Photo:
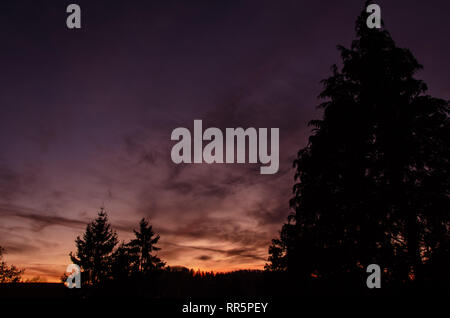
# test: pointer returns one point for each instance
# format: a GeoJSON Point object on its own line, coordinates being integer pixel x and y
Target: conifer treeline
{"type": "Point", "coordinates": [100, 258]}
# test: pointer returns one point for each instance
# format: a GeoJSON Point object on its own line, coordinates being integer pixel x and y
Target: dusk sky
{"type": "Point", "coordinates": [86, 117]}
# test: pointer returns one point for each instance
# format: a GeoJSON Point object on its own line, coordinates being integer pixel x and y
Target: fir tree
{"type": "Point", "coordinates": [144, 246]}
{"type": "Point", "coordinates": [94, 250]}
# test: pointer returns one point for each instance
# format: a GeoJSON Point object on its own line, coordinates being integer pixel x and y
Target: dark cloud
{"type": "Point", "coordinates": [204, 257]}
{"type": "Point", "coordinates": [20, 248]}
{"type": "Point", "coordinates": [44, 137]}
{"type": "Point", "coordinates": [137, 146]}
{"type": "Point", "coordinates": [241, 252]}
{"type": "Point", "coordinates": [15, 183]}
{"type": "Point", "coordinates": [180, 187]}
{"type": "Point", "coordinates": [273, 215]}
{"type": "Point", "coordinates": [219, 230]}
{"type": "Point", "coordinates": [39, 219]}
{"type": "Point", "coordinates": [9, 183]}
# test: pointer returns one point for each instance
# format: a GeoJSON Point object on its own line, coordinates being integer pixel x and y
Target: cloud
{"type": "Point", "coordinates": [19, 247]}
{"type": "Point", "coordinates": [39, 219]}
{"type": "Point", "coordinates": [242, 252]}
{"type": "Point", "coordinates": [273, 215]}
{"type": "Point", "coordinates": [137, 145]}
{"type": "Point", "coordinates": [227, 229]}
{"type": "Point", "coordinates": [45, 136]}
{"type": "Point", "coordinates": [13, 184]}
{"type": "Point", "coordinates": [204, 257]}
{"type": "Point", "coordinates": [46, 270]}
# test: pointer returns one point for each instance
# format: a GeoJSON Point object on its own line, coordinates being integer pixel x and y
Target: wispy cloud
{"type": "Point", "coordinates": [242, 252]}
{"type": "Point", "coordinates": [40, 219]}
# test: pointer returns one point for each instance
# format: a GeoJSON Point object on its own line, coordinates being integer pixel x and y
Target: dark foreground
{"type": "Point", "coordinates": [45, 297]}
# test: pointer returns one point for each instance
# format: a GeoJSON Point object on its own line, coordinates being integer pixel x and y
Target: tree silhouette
{"type": "Point", "coordinates": [124, 262]}
{"type": "Point", "coordinates": [278, 250]}
{"type": "Point", "coordinates": [94, 250]}
{"type": "Point", "coordinates": [9, 273]}
{"type": "Point", "coordinates": [373, 181]}
{"type": "Point", "coordinates": [143, 246]}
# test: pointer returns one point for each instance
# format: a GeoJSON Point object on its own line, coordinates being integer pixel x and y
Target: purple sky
{"type": "Point", "coordinates": [86, 116]}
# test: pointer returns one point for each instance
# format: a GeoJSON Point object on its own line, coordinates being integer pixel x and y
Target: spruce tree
{"type": "Point", "coordinates": [94, 250]}
{"type": "Point", "coordinates": [144, 247]}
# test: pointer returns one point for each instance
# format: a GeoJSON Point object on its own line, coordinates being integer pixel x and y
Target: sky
{"type": "Point", "coordinates": [86, 117]}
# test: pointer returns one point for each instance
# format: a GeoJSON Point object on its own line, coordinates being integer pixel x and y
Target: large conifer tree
{"type": "Point", "coordinates": [372, 185]}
